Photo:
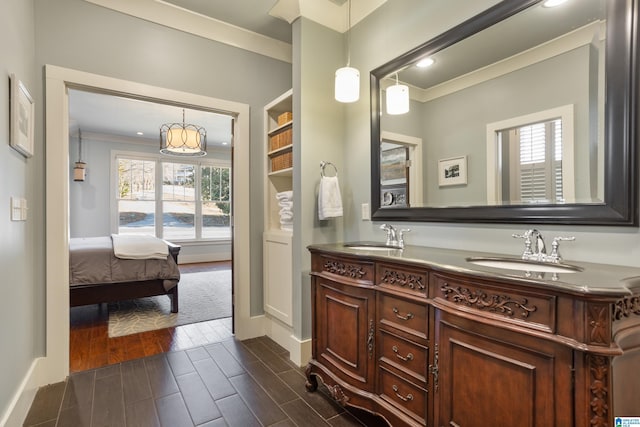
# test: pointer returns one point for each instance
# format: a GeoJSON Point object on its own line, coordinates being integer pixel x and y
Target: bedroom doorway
{"type": "Point", "coordinates": [55, 366]}
{"type": "Point", "coordinates": [129, 188]}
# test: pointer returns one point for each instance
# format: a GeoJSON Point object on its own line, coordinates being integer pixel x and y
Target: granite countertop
{"type": "Point", "coordinates": [594, 279]}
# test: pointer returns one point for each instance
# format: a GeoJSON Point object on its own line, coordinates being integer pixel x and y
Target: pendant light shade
{"type": "Point", "coordinates": [347, 84]}
{"type": "Point", "coordinates": [181, 139]}
{"type": "Point", "coordinates": [397, 98]}
{"type": "Point", "coordinates": [80, 168]}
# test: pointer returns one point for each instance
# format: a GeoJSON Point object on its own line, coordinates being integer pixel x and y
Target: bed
{"type": "Point", "coordinates": [97, 275]}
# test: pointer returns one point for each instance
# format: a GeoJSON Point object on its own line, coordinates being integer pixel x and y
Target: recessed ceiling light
{"type": "Point", "coordinates": [224, 143]}
{"type": "Point", "coordinates": [553, 3]}
{"type": "Point", "coordinates": [426, 62]}
{"type": "Point", "coordinates": [140, 133]}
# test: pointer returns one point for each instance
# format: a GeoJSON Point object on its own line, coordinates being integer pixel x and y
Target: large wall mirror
{"type": "Point", "coordinates": [525, 113]}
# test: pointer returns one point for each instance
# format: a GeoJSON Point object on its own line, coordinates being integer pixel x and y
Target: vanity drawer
{"type": "Point", "coordinates": [407, 316]}
{"type": "Point", "coordinates": [403, 394]}
{"type": "Point", "coordinates": [406, 356]}
{"type": "Point", "coordinates": [361, 272]}
{"type": "Point", "coordinates": [402, 278]}
{"type": "Point", "coordinates": [535, 310]}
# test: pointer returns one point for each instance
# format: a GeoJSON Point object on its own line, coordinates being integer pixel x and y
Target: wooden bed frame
{"type": "Point", "coordinates": [97, 293]}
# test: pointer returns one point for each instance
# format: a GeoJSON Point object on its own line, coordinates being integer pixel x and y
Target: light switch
{"type": "Point", "coordinates": [366, 213]}
{"type": "Point", "coordinates": [18, 209]}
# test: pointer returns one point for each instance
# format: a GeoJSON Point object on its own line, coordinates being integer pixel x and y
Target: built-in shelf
{"type": "Point", "coordinates": [280, 150]}
{"type": "Point", "coordinates": [280, 128]}
{"type": "Point", "coordinates": [282, 172]}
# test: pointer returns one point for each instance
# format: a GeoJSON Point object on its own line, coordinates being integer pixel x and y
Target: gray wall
{"type": "Point", "coordinates": [399, 26]}
{"type": "Point", "coordinates": [82, 36]}
{"type": "Point", "coordinates": [318, 52]}
{"type": "Point", "coordinates": [21, 252]}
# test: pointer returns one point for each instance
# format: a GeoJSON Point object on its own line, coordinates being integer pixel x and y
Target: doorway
{"type": "Point", "coordinates": [54, 367]}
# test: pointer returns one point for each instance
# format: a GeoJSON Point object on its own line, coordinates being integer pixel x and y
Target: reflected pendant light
{"type": "Point", "coordinates": [79, 170]}
{"type": "Point", "coordinates": [347, 84]}
{"type": "Point", "coordinates": [181, 139]}
{"type": "Point", "coordinates": [397, 98]}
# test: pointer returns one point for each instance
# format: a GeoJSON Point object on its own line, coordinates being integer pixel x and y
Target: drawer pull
{"type": "Point", "coordinates": [407, 358]}
{"type": "Point", "coordinates": [409, 315]}
{"type": "Point", "coordinates": [407, 398]}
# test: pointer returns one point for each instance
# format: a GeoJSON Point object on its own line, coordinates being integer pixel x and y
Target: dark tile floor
{"type": "Point", "coordinates": [229, 383]}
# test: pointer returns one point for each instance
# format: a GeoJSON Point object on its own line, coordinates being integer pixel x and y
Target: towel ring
{"type": "Point", "coordinates": [324, 164]}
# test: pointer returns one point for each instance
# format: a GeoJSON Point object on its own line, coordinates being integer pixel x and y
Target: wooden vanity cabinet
{"type": "Point", "coordinates": [420, 346]}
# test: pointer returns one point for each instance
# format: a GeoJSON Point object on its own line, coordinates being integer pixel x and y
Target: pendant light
{"type": "Point", "coordinates": [181, 139]}
{"type": "Point", "coordinates": [347, 84]}
{"type": "Point", "coordinates": [397, 98]}
{"type": "Point", "coordinates": [79, 170]}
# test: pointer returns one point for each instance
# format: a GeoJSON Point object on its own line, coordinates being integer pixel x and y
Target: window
{"type": "Point", "coordinates": [538, 155]}
{"type": "Point", "coordinates": [191, 200]}
{"type": "Point", "coordinates": [530, 158]}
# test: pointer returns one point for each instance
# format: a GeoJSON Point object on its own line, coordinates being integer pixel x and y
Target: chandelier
{"type": "Point", "coordinates": [181, 139]}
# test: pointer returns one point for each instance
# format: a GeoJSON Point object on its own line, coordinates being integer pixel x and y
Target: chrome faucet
{"type": "Point", "coordinates": [394, 237]}
{"type": "Point", "coordinates": [535, 248]}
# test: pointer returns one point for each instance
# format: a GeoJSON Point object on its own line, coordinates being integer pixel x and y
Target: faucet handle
{"type": "Point", "coordinates": [401, 236]}
{"type": "Point", "coordinates": [527, 243]}
{"type": "Point", "coordinates": [555, 254]}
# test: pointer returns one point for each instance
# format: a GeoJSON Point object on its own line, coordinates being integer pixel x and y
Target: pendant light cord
{"type": "Point", "coordinates": [79, 146]}
{"type": "Point", "coordinates": [349, 33]}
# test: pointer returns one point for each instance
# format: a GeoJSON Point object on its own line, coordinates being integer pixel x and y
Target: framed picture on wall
{"type": "Point", "coordinates": [22, 118]}
{"type": "Point", "coordinates": [452, 171]}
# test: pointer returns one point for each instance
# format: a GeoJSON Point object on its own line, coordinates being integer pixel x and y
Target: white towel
{"type": "Point", "coordinates": [285, 214]}
{"type": "Point", "coordinates": [284, 195]}
{"type": "Point", "coordinates": [287, 205]}
{"type": "Point", "coordinates": [329, 199]}
{"type": "Point", "coordinates": [139, 246]}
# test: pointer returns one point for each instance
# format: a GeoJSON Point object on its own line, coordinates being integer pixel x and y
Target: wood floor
{"type": "Point", "coordinates": [91, 347]}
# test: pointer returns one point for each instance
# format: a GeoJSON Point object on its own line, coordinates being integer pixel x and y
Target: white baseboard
{"type": "Point", "coordinates": [299, 350]}
{"type": "Point", "coordinates": [18, 408]}
{"type": "Point", "coordinates": [194, 258]}
{"type": "Point", "coordinates": [251, 327]}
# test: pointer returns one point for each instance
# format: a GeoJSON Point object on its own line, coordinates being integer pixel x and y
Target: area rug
{"type": "Point", "coordinates": [202, 296]}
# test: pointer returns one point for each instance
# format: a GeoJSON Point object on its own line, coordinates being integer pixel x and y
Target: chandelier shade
{"type": "Point", "coordinates": [182, 139]}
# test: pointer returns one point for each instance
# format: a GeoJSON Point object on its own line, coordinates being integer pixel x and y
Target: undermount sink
{"type": "Point", "coordinates": [370, 246]}
{"type": "Point", "coordinates": [524, 265]}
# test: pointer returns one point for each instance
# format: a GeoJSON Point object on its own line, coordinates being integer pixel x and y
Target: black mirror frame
{"type": "Point", "coordinates": [620, 207]}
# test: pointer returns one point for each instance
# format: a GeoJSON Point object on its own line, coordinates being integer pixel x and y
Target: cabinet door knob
{"type": "Point", "coordinates": [406, 398]}
{"type": "Point", "coordinates": [409, 315]}
{"type": "Point", "coordinates": [408, 357]}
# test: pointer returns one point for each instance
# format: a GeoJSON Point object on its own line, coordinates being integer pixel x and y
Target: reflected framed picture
{"type": "Point", "coordinates": [22, 118]}
{"type": "Point", "coordinates": [452, 171]}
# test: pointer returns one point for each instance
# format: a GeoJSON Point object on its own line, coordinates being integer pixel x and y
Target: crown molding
{"type": "Point", "coordinates": [175, 17]}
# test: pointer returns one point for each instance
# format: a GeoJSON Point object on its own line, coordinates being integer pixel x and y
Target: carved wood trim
{"type": "Point", "coordinates": [502, 304]}
{"type": "Point", "coordinates": [598, 320]}
{"type": "Point", "coordinates": [599, 370]}
{"type": "Point", "coordinates": [411, 281]}
{"type": "Point", "coordinates": [626, 307]}
{"type": "Point", "coordinates": [349, 270]}
{"type": "Point", "coordinates": [338, 395]}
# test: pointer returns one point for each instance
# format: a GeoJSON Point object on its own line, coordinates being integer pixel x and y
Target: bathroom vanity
{"type": "Point", "coordinates": [421, 336]}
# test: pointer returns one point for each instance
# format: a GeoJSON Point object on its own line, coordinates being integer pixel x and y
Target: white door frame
{"type": "Point", "coordinates": [414, 144]}
{"type": "Point", "coordinates": [54, 366]}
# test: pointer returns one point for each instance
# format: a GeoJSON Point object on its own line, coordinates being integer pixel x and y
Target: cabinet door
{"type": "Point", "coordinates": [345, 331]}
{"type": "Point", "coordinates": [494, 377]}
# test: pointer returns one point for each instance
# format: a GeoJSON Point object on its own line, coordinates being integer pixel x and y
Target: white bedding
{"type": "Point", "coordinates": [139, 247]}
